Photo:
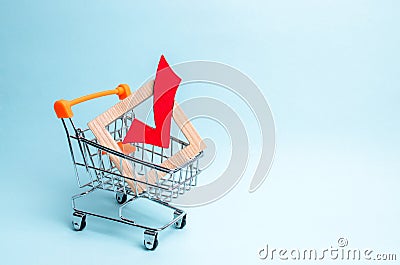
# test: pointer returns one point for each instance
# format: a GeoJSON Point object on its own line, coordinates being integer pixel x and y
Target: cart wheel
{"type": "Point", "coordinates": [150, 239]}
{"type": "Point", "coordinates": [78, 221]}
{"type": "Point", "coordinates": [181, 222]}
{"type": "Point", "coordinates": [121, 197]}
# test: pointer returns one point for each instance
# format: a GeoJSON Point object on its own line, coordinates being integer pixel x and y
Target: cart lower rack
{"type": "Point", "coordinates": [96, 171]}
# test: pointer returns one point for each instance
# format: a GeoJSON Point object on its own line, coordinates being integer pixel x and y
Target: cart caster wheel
{"type": "Point", "coordinates": [150, 239]}
{"type": "Point", "coordinates": [180, 223]}
{"type": "Point", "coordinates": [121, 197]}
{"type": "Point", "coordinates": [79, 221]}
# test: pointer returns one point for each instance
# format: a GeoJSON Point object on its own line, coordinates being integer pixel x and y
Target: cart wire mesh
{"type": "Point", "coordinates": [89, 157]}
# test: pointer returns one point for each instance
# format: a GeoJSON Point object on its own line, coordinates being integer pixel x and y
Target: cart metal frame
{"type": "Point", "coordinates": [94, 170]}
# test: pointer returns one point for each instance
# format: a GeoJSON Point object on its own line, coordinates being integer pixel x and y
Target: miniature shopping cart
{"type": "Point", "coordinates": [96, 171]}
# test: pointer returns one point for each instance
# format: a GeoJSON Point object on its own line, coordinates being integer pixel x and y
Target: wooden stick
{"type": "Point", "coordinates": [98, 127]}
{"type": "Point", "coordinates": [186, 154]}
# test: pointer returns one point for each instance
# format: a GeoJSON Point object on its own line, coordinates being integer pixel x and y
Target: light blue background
{"type": "Point", "coordinates": [329, 70]}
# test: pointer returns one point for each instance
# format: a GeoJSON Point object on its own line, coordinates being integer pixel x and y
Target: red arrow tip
{"type": "Point", "coordinates": [162, 63]}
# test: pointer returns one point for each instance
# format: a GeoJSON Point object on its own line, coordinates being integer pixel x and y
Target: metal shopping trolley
{"type": "Point", "coordinates": [96, 171]}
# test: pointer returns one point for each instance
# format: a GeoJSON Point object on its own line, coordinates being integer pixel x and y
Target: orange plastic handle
{"type": "Point", "coordinates": [63, 109]}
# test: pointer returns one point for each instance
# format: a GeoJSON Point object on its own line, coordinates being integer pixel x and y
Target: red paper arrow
{"type": "Point", "coordinates": [165, 86]}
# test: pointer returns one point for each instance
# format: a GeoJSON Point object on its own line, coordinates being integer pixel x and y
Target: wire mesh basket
{"type": "Point", "coordinates": [96, 171]}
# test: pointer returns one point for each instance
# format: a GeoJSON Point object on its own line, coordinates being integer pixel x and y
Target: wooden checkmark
{"type": "Point", "coordinates": [98, 127]}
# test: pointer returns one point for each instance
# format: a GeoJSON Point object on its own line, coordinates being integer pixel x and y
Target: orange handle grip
{"type": "Point", "coordinates": [63, 109]}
